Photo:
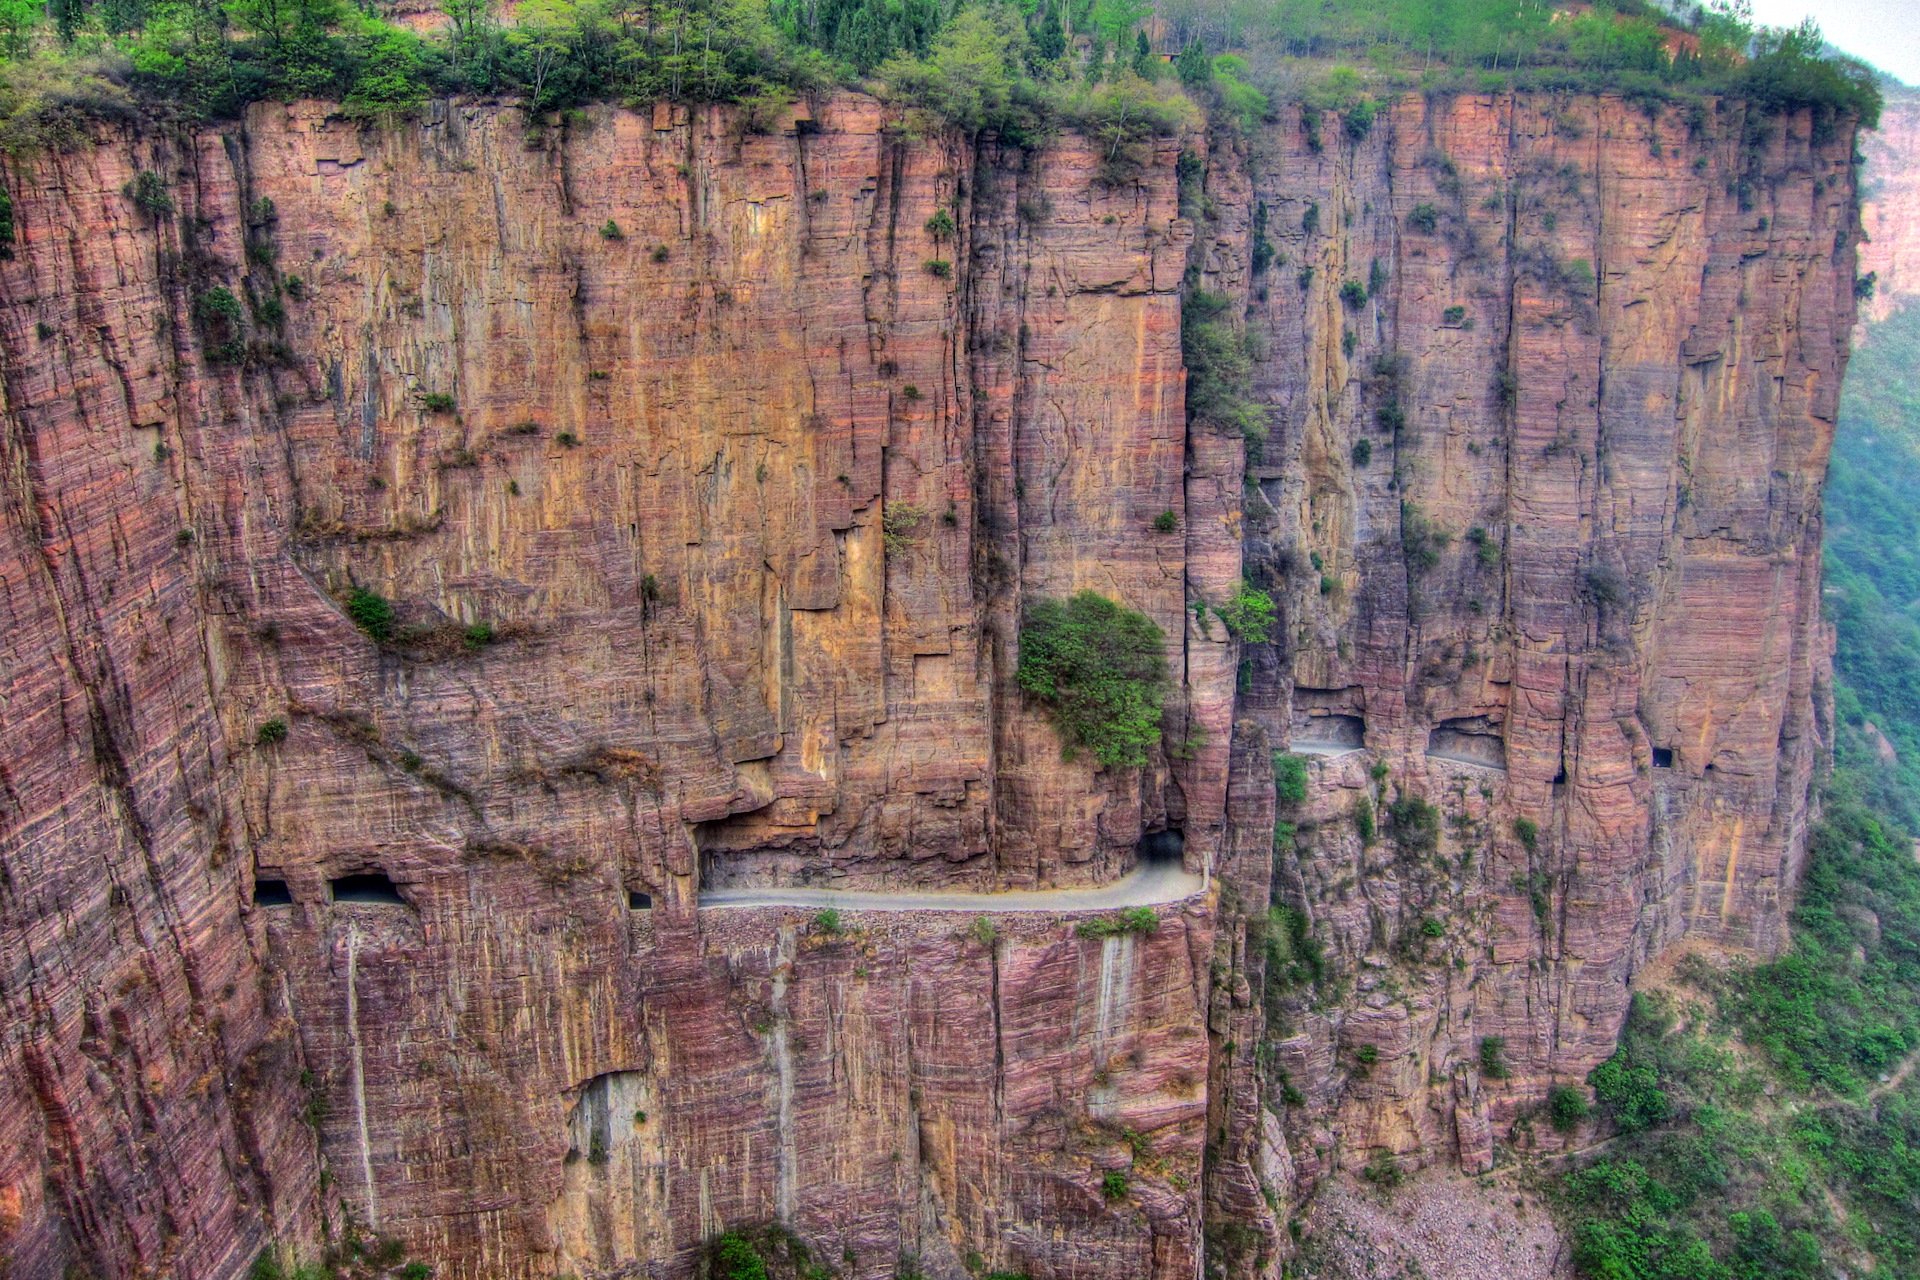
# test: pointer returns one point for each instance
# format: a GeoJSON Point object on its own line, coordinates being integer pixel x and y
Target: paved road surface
{"type": "Point", "coordinates": [1152, 884]}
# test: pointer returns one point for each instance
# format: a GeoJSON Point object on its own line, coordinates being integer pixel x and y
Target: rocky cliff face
{"type": "Point", "coordinates": [708, 471]}
{"type": "Point", "coordinates": [1890, 206]}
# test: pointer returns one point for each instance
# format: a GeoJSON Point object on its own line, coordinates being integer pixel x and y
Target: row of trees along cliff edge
{"type": "Point", "coordinates": [1021, 67]}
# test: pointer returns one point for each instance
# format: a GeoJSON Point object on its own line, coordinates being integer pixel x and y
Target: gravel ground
{"type": "Point", "coordinates": [1437, 1225]}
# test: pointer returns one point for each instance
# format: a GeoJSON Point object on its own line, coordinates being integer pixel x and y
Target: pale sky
{"type": "Point", "coordinates": [1885, 33]}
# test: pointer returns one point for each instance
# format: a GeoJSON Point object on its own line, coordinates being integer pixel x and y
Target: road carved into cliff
{"type": "Point", "coordinates": [1153, 884]}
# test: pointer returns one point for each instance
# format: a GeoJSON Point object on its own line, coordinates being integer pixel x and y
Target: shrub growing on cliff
{"type": "Point", "coordinates": [1289, 779]}
{"type": "Point", "coordinates": [1493, 1062]}
{"type": "Point", "coordinates": [1249, 614]}
{"type": "Point", "coordinates": [1219, 367]}
{"type": "Point", "coordinates": [1566, 1107]}
{"type": "Point", "coordinates": [272, 731]}
{"type": "Point", "coordinates": [371, 612]}
{"type": "Point", "coordinates": [148, 191]}
{"type": "Point", "coordinates": [1136, 920]}
{"type": "Point", "coordinates": [216, 307]}
{"type": "Point", "coordinates": [735, 1258]}
{"type": "Point", "coordinates": [1420, 539]}
{"type": "Point", "coordinates": [1414, 824]}
{"type": "Point", "coordinates": [1100, 670]}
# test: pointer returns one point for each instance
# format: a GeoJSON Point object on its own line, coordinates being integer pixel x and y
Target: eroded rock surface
{"type": "Point", "coordinates": [707, 472]}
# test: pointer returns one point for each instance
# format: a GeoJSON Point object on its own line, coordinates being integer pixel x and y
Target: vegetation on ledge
{"type": "Point", "coordinates": [1101, 672]}
{"type": "Point", "coordinates": [1023, 70]}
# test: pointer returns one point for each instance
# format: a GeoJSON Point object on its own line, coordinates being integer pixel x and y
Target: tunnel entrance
{"type": "Point", "coordinates": [1163, 846]}
{"type": "Point", "coordinates": [1469, 740]}
{"type": "Point", "coordinates": [272, 893]}
{"type": "Point", "coordinates": [1663, 757]}
{"type": "Point", "coordinates": [637, 901]}
{"type": "Point", "coordinates": [371, 887]}
{"type": "Point", "coordinates": [1329, 735]}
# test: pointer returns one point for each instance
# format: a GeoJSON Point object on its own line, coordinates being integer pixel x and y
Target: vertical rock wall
{"type": "Point", "coordinates": [1553, 387]}
{"type": "Point", "coordinates": [707, 471]}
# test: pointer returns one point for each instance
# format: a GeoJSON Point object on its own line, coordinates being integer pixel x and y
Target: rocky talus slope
{"type": "Point", "coordinates": [708, 472]}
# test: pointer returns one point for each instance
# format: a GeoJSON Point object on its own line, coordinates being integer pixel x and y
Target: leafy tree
{"type": "Point", "coordinates": [19, 19]}
{"type": "Point", "coordinates": [969, 78]}
{"type": "Point", "coordinates": [1192, 68]}
{"type": "Point", "coordinates": [1101, 670]}
{"type": "Point", "coordinates": [296, 42]}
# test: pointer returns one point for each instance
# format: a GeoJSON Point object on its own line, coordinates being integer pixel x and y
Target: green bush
{"type": "Point", "coordinates": [148, 191]}
{"type": "Point", "coordinates": [478, 636]}
{"type": "Point", "coordinates": [1362, 452]}
{"type": "Point", "coordinates": [436, 402]}
{"type": "Point", "coordinates": [1383, 1170]}
{"type": "Point", "coordinates": [1413, 824]}
{"type": "Point", "coordinates": [1566, 1107]}
{"type": "Point", "coordinates": [1424, 218]}
{"type": "Point", "coordinates": [1219, 367]}
{"type": "Point", "coordinates": [828, 922]}
{"type": "Point", "coordinates": [1166, 522]}
{"type": "Point", "coordinates": [1432, 928]}
{"type": "Point", "coordinates": [1421, 540]}
{"type": "Point", "coordinates": [371, 612]}
{"type": "Point", "coordinates": [1493, 1063]}
{"type": "Point", "coordinates": [1527, 831]}
{"type": "Point", "coordinates": [610, 230]}
{"type": "Point", "coordinates": [272, 731]}
{"type": "Point", "coordinates": [218, 306]}
{"type": "Point", "coordinates": [1100, 670]}
{"type": "Point", "coordinates": [1363, 820]}
{"type": "Point", "coordinates": [1134, 920]}
{"type": "Point", "coordinates": [1114, 1185]}
{"type": "Point", "coordinates": [1289, 779]}
{"type": "Point", "coordinates": [1249, 615]}
{"type": "Point", "coordinates": [737, 1259]}
{"type": "Point", "coordinates": [1354, 294]}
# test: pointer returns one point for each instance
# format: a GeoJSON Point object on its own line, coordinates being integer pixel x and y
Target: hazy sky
{"type": "Point", "coordinates": [1884, 32]}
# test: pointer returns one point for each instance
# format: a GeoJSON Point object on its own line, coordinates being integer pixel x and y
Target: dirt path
{"type": "Point", "coordinates": [1150, 886]}
{"type": "Point", "coordinates": [1898, 1078]}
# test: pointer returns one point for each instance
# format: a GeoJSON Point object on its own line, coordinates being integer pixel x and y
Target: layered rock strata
{"type": "Point", "coordinates": [708, 472]}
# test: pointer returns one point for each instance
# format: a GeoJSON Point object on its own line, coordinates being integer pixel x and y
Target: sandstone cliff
{"type": "Point", "coordinates": [708, 471]}
{"type": "Point", "coordinates": [1890, 207]}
